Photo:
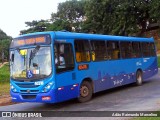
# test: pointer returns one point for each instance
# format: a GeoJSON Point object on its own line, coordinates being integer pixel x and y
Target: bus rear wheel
{"type": "Point", "coordinates": [139, 78]}
{"type": "Point", "coordinates": [86, 92]}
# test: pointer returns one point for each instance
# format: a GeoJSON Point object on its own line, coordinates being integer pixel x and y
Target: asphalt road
{"type": "Point", "coordinates": [125, 98]}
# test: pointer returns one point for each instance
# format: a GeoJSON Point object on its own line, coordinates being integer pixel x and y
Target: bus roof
{"type": "Point", "coordinates": [72, 35]}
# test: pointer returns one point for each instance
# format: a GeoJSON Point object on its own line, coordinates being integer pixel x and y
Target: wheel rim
{"type": "Point", "coordinates": [84, 91]}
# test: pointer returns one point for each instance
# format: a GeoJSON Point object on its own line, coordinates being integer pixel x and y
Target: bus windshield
{"type": "Point", "coordinates": [32, 63]}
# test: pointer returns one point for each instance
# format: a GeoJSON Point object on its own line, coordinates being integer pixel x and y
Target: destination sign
{"type": "Point", "coordinates": [31, 40]}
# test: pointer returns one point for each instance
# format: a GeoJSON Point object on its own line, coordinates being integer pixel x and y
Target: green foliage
{"type": "Point", "coordinates": [117, 17]}
{"type": "Point", "coordinates": [154, 10]}
{"type": "Point", "coordinates": [58, 25]}
{"type": "Point", "coordinates": [4, 45]}
{"type": "Point", "coordinates": [70, 15]}
{"type": "Point", "coordinates": [35, 26]}
{"type": "Point", "coordinates": [120, 17]}
{"type": "Point", "coordinates": [4, 80]}
{"type": "Point", "coordinates": [3, 35]}
{"type": "Point", "coordinates": [72, 10]}
{"type": "Point", "coordinates": [148, 118]}
{"type": "Point", "coordinates": [159, 61]}
{"type": "Point", "coordinates": [4, 89]}
{"type": "Point", "coordinates": [4, 74]}
{"type": "Point", "coordinates": [4, 49]}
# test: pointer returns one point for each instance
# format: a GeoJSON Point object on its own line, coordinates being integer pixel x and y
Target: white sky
{"type": "Point", "coordinates": [14, 13]}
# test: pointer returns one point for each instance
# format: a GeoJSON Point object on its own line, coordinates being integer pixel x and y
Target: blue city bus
{"type": "Point", "coordinates": [51, 67]}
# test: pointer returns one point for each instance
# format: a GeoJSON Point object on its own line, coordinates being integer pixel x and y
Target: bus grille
{"type": "Point", "coordinates": [29, 97]}
{"type": "Point", "coordinates": [27, 85]}
{"type": "Point", "coordinates": [31, 91]}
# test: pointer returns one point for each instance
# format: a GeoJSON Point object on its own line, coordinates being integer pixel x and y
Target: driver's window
{"type": "Point", "coordinates": [64, 59]}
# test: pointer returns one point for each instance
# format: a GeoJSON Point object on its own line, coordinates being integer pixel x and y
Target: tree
{"type": "Point", "coordinates": [154, 11]}
{"type": "Point", "coordinates": [70, 15]}
{"type": "Point", "coordinates": [59, 25]}
{"type": "Point", "coordinates": [35, 26]}
{"type": "Point", "coordinates": [3, 35]}
{"type": "Point", "coordinates": [4, 45]}
{"type": "Point", "coordinates": [117, 17]}
{"type": "Point", "coordinates": [4, 49]}
{"type": "Point", "coordinates": [120, 17]}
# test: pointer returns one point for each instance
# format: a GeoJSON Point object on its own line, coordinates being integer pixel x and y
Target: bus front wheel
{"type": "Point", "coordinates": [86, 92]}
{"type": "Point", "coordinates": [139, 78]}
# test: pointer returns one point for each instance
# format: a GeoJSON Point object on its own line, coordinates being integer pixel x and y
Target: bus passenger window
{"type": "Point", "coordinates": [59, 59]}
{"type": "Point", "coordinates": [153, 51]}
{"type": "Point", "coordinates": [136, 53]}
{"type": "Point", "coordinates": [126, 49]}
{"type": "Point", "coordinates": [64, 59]}
{"type": "Point", "coordinates": [93, 56]}
{"type": "Point", "coordinates": [113, 50]}
{"type": "Point", "coordinates": [98, 50]}
{"type": "Point", "coordinates": [82, 50]}
{"type": "Point", "coordinates": [146, 49]}
{"type": "Point", "coordinates": [78, 57]}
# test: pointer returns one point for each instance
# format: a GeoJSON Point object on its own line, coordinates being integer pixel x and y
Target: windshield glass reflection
{"type": "Point", "coordinates": [28, 64]}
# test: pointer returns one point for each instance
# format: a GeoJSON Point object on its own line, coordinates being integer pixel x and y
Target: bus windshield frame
{"type": "Point", "coordinates": [30, 57]}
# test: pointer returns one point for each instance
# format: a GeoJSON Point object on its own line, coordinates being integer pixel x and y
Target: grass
{"type": "Point", "coordinates": [4, 74]}
{"type": "Point", "coordinates": [5, 89]}
{"type": "Point", "coordinates": [4, 80]}
{"type": "Point", "coordinates": [159, 61]}
{"type": "Point", "coordinates": [147, 118]}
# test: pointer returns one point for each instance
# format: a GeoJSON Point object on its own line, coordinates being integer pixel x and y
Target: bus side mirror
{"type": "Point", "coordinates": [12, 57]}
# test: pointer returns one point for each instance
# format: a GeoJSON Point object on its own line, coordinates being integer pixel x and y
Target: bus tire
{"type": "Point", "coordinates": [86, 92]}
{"type": "Point", "coordinates": [139, 78]}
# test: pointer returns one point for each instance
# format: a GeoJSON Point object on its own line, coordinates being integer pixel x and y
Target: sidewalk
{"type": "Point", "coordinates": [1, 65]}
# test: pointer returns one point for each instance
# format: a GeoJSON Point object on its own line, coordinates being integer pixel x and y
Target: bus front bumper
{"type": "Point", "coordinates": [48, 97]}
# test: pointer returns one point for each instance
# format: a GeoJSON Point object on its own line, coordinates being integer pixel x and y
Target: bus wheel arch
{"type": "Point", "coordinates": [139, 77]}
{"type": "Point", "coordinates": [86, 90]}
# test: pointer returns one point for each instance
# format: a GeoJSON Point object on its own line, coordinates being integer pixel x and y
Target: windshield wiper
{"type": "Point", "coordinates": [18, 50]}
{"type": "Point", "coordinates": [33, 53]}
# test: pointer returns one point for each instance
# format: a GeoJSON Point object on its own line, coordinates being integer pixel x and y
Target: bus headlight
{"type": "Point", "coordinates": [48, 87]}
{"type": "Point", "coordinates": [13, 88]}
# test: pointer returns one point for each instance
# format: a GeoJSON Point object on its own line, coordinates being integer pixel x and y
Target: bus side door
{"type": "Point", "coordinates": [67, 87]}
